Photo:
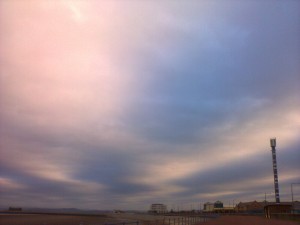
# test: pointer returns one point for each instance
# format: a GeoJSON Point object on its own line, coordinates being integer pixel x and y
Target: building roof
{"type": "Point", "coordinates": [251, 203]}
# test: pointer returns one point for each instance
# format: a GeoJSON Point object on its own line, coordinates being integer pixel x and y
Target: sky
{"type": "Point", "coordinates": [121, 104]}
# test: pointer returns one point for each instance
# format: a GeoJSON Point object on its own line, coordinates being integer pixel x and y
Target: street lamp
{"type": "Point", "coordinates": [292, 190]}
{"type": "Point", "coordinates": [293, 193]}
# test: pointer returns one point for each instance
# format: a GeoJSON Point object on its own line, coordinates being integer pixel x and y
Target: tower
{"type": "Point", "coordinates": [273, 145]}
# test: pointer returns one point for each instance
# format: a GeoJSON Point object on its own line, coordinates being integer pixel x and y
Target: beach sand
{"type": "Point", "coordinates": [248, 220]}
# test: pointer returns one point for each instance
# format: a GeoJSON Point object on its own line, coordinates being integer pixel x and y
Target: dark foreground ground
{"type": "Point", "coordinates": [248, 220]}
{"type": "Point", "coordinates": [77, 219]}
{"type": "Point", "coordinates": [101, 220]}
{"type": "Point", "coordinates": [49, 220]}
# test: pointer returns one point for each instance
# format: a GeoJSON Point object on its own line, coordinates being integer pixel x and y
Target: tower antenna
{"type": "Point", "coordinates": [275, 171]}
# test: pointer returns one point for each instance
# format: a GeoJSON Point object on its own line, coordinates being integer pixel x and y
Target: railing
{"type": "Point", "coordinates": [170, 220]}
{"type": "Point", "coordinates": [124, 223]}
{"type": "Point", "coordinates": [185, 220]}
{"type": "Point", "coordinates": [285, 216]}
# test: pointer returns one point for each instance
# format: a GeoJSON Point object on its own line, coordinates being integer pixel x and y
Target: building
{"type": "Point", "coordinates": [267, 207]}
{"type": "Point", "coordinates": [208, 207]}
{"type": "Point", "coordinates": [15, 209]}
{"type": "Point", "coordinates": [218, 205]}
{"type": "Point", "coordinates": [158, 208]}
{"type": "Point", "coordinates": [228, 209]}
{"type": "Point", "coordinates": [296, 207]}
{"type": "Point", "coordinates": [213, 207]}
{"type": "Point", "coordinates": [251, 207]}
{"type": "Point", "coordinates": [273, 209]}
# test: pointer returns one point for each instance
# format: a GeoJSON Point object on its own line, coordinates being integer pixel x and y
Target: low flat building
{"type": "Point", "coordinates": [15, 209]}
{"type": "Point", "coordinates": [208, 207]}
{"type": "Point", "coordinates": [251, 207]}
{"type": "Point", "coordinates": [224, 210]}
{"type": "Point", "coordinates": [158, 208]}
{"type": "Point", "coordinates": [218, 205]}
{"type": "Point", "coordinates": [213, 207]}
{"type": "Point", "coordinates": [296, 207]}
{"type": "Point", "coordinates": [281, 208]}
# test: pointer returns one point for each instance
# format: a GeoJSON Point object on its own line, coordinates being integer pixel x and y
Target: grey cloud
{"type": "Point", "coordinates": [259, 64]}
{"type": "Point", "coordinates": [242, 171]}
{"type": "Point", "coordinates": [193, 71]}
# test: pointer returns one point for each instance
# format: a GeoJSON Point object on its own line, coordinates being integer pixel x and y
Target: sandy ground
{"type": "Point", "coordinates": [248, 220]}
{"type": "Point", "coordinates": [37, 219]}
{"type": "Point", "coordinates": [119, 218]}
{"type": "Point", "coordinates": [49, 220]}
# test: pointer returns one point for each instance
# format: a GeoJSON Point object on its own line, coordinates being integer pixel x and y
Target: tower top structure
{"type": "Point", "coordinates": [273, 142]}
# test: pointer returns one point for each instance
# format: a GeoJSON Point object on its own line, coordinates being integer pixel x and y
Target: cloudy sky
{"type": "Point", "coordinates": [120, 104]}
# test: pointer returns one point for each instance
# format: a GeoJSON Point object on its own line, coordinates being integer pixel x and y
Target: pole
{"type": "Point", "coordinates": [275, 171]}
{"type": "Point", "coordinates": [292, 193]}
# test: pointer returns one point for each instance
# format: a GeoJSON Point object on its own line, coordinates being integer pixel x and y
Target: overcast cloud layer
{"type": "Point", "coordinates": [120, 104]}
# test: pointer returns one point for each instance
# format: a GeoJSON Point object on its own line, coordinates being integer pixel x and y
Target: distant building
{"type": "Point", "coordinates": [158, 208]}
{"type": "Point", "coordinates": [282, 208]}
{"type": "Point", "coordinates": [118, 211]}
{"type": "Point", "coordinates": [296, 207]}
{"type": "Point", "coordinates": [251, 207]}
{"type": "Point", "coordinates": [208, 207]}
{"type": "Point", "coordinates": [227, 209]}
{"type": "Point", "coordinates": [218, 205]}
{"type": "Point", "coordinates": [15, 209]}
